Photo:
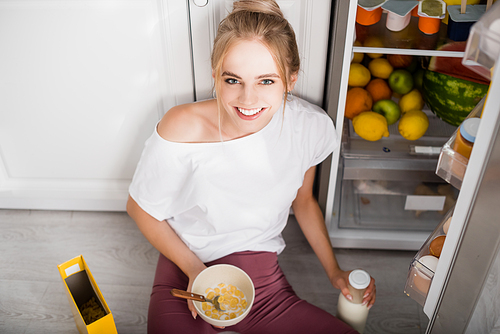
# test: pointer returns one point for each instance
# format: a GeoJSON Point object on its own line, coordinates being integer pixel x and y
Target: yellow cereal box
{"type": "Point", "coordinates": [90, 310]}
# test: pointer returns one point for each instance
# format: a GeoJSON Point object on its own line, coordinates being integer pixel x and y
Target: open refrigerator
{"type": "Point", "coordinates": [459, 290]}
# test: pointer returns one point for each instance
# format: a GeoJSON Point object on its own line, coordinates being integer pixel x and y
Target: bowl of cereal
{"type": "Point", "coordinates": [234, 288]}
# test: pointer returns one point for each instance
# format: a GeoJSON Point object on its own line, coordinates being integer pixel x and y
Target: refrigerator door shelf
{"type": "Point", "coordinates": [422, 270]}
{"type": "Point", "coordinates": [483, 44]}
{"type": "Point", "coordinates": [452, 165]}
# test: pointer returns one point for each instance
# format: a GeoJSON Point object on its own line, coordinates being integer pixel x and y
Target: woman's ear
{"type": "Point", "coordinates": [292, 81]}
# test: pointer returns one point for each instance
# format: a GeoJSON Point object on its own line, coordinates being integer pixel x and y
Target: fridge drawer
{"type": "Point", "coordinates": [394, 205]}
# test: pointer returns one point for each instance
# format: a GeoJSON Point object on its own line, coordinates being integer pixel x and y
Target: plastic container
{"type": "Point", "coordinates": [354, 312]}
{"type": "Point", "coordinates": [483, 44]}
{"type": "Point", "coordinates": [398, 14]}
{"type": "Point", "coordinates": [466, 135]}
{"type": "Point", "coordinates": [429, 22]}
{"type": "Point", "coordinates": [460, 24]}
{"type": "Point", "coordinates": [368, 17]}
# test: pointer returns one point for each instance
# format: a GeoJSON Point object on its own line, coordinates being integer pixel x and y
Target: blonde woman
{"type": "Point", "coordinates": [217, 178]}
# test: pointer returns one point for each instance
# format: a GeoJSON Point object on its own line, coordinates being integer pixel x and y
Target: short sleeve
{"type": "Point", "coordinates": [161, 181]}
{"type": "Point", "coordinates": [325, 139]}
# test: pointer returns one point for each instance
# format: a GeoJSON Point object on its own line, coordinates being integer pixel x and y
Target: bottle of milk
{"type": "Point", "coordinates": [353, 312]}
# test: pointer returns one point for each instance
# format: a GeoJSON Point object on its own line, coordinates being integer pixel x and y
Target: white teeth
{"type": "Point", "coordinates": [249, 112]}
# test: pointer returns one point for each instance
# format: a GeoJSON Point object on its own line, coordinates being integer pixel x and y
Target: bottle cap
{"type": "Point", "coordinates": [468, 128]}
{"type": "Point", "coordinates": [359, 279]}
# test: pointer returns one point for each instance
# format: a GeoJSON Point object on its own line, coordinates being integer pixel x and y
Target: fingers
{"type": "Point", "coordinates": [194, 313]}
{"type": "Point", "coordinates": [192, 309]}
{"type": "Point", "coordinates": [370, 294]}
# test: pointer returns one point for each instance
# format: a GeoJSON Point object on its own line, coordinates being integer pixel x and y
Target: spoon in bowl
{"type": "Point", "coordinates": [197, 297]}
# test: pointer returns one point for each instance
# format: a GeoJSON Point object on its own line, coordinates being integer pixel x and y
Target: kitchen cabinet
{"type": "Point", "coordinates": [382, 194]}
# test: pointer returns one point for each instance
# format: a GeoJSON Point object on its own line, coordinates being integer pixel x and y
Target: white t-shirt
{"type": "Point", "coordinates": [226, 197]}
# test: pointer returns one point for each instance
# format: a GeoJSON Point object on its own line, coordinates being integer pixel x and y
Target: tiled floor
{"type": "Point", "coordinates": [33, 243]}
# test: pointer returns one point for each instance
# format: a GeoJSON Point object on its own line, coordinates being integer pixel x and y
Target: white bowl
{"type": "Point", "coordinates": [227, 274]}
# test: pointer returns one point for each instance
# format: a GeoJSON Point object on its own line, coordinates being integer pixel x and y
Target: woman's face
{"type": "Point", "coordinates": [251, 88]}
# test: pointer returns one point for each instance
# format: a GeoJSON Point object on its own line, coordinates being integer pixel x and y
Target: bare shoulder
{"type": "Point", "coordinates": [190, 123]}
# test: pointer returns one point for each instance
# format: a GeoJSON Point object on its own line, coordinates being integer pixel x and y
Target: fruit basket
{"type": "Point", "coordinates": [452, 165]}
{"type": "Point", "coordinates": [424, 264]}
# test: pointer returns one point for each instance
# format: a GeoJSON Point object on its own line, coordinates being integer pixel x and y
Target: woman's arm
{"type": "Point", "coordinates": [311, 221]}
{"type": "Point", "coordinates": [165, 240]}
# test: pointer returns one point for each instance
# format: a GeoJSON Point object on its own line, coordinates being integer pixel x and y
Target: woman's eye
{"type": "Point", "coordinates": [231, 81]}
{"type": "Point", "coordinates": [267, 82]}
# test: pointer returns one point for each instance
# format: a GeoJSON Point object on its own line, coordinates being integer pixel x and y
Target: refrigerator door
{"type": "Point", "coordinates": [472, 242]}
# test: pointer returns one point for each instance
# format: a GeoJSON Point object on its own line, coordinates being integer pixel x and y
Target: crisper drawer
{"type": "Point", "coordinates": [394, 205]}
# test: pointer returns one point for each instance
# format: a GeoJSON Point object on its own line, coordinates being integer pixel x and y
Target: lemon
{"type": "Point", "coordinates": [370, 126]}
{"type": "Point", "coordinates": [357, 57]}
{"type": "Point", "coordinates": [359, 75]}
{"type": "Point", "coordinates": [373, 42]}
{"type": "Point", "coordinates": [411, 101]}
{"type": "Point", "coordinates": [413, 124]}
{"type": "Point", "coordinates": [380, 68]}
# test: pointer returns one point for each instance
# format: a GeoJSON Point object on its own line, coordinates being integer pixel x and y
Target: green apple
{"type": "Point", "coordinates": [418, 78]}
{"type": "Point", "coordinates": [389, 109]}
{"type": "Point", "coordinates": [401, 81]}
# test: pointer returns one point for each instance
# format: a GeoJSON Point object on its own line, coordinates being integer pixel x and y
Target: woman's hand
{"type": "Point", "coordinates": [341, 280]}
{"type": "Point", "coordinates": [192, 276]}
{"type": "Point", "coordinates": [369, 297]}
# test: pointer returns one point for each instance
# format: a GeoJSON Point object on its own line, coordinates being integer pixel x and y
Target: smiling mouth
{"type": "Point", "coordinates": [250, 112]}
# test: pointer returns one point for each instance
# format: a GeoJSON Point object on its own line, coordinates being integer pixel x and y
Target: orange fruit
{"type": "Point", "coordinates": [379, 90]}
{"type": "Point", "coordinates": [357, 101]}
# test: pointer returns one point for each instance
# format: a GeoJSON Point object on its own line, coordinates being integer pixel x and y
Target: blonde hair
{"type": "Point", "coordinates": [257, 20]}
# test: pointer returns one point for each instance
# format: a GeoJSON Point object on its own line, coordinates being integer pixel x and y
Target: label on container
{"type": "Point", "coordinates": [427, 150]}
{"type": "Point", "coordinates": [424, 202]}
{"type": "Point", "coordinates": [73, 269]}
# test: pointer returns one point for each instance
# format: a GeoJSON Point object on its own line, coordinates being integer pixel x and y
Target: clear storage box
{"type": "Point", "coordinates": [394, 205]}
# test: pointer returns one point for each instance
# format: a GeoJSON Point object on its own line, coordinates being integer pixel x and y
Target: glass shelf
{"type": "Point", "coordinates": [410, 40]}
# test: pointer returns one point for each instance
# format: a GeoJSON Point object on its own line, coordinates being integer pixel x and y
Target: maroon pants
{"type": "Point", "coordinates": [276, 308]}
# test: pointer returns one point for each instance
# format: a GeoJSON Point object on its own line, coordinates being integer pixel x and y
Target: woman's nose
{"type": "Point", "coordinates": [248, 96]}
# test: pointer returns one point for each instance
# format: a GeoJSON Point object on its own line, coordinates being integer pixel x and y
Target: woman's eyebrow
{"type": "Point", "coordinates": [230, 74]}
{"type": "Point", "coordinates": [267, 75]}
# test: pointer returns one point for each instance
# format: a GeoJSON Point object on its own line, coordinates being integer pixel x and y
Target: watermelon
{"type": "Point", "coordinates": [453, 66]}
{"type": "Point", "coordinates": [450, 98]}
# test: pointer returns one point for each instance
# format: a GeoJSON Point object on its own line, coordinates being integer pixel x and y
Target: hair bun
{"type": "Point", "coordinates": [269, 7]}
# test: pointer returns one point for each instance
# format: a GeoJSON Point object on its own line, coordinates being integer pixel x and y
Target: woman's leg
{"type": "Point", "coordinates": [277, 309]}
{"type": "Point", "coordinates": [169, 314]}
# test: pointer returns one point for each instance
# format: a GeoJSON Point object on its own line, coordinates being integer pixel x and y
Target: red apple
{"type": "Point", "coordinates": [400, 61]}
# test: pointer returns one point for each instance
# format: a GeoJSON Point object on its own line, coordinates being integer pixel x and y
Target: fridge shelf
{"type": "Point", "coordinates": [410, 40]}
{"type": "Point", "coordinates": [423, 265]}
{"type": "Point", "coordinates": [395, 146]}
{"type": "Point", "coordinates": [451, 165]}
